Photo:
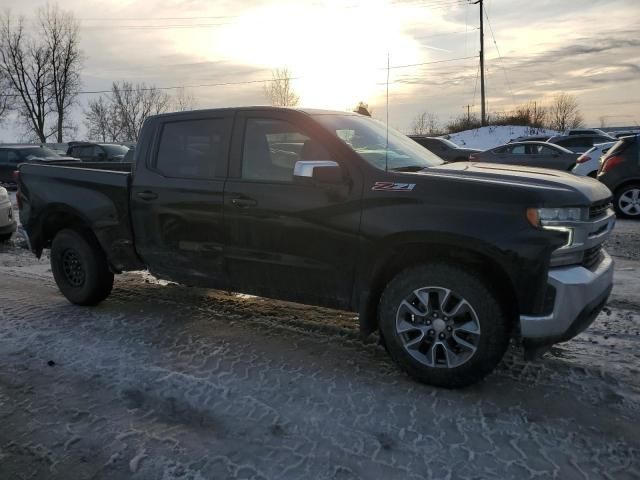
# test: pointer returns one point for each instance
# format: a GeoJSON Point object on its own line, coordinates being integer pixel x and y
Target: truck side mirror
{"type": "Point", "coordinates": [320, 171]}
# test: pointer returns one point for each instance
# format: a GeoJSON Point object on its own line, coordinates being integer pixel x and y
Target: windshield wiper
{"type": "Point", "coordinates": [408, 168]}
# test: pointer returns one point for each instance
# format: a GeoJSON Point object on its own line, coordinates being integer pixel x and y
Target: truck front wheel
{"type": "Point", "coordinates": [442, 325]}
{"type": "Point", "coordinates": [80, 268]}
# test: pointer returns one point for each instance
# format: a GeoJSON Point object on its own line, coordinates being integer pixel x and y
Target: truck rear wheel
{"type": "Point", "coordinates": [80, 268]}
{"type": "Point", "coordinates": [442, 325]}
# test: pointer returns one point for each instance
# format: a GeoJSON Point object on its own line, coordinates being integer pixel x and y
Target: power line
{"type": "Point", "coordinates": [431, 63]}
{"type": "Point", "coordinates": [504, 71]}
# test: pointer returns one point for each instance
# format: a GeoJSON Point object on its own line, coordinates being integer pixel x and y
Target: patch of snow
{"type": "Point", "coordinates": [492, 136]}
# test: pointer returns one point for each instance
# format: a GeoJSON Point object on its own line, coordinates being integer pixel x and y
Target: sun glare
{"type": "Point", "coordinates": [336, 54]}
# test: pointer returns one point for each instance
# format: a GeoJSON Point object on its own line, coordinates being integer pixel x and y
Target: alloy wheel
{"type": "Point", "coordinates": [438, 327]}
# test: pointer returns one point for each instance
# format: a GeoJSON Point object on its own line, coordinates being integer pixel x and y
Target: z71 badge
{"type": "Point", "coordinates": [392, 187]}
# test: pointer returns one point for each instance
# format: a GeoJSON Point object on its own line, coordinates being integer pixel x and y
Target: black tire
{"type": "Point", "coordinates": [620, 201]}
{"type": "Point", "coordinates": [80, 268]}
{"type": "Point", "coordinates": [5, 237]}
{"type": "Point", "coordinates": [491, 341]}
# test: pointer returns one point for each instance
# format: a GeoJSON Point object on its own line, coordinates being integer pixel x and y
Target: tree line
{"type": "Point", "coordinates": [562, 113]}
{"type": "Point", "coordinates": [40, 67]}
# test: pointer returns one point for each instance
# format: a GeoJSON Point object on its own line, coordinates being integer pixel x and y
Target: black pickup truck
{"type": "Point", "coordinates": [446, 261]}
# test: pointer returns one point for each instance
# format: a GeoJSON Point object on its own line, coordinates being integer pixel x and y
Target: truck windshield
{"type": "Point", "coordinates": [368, 137]}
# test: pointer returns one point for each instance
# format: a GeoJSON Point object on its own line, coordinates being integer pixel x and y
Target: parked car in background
{"type": "Point", "coordinates": [585, 131]}
{"type": "Point", "coordinates": [588, 163]}
{"type": "Point", "coordinates": [7, 220]}
{"type": "Point", "coordinates": [59, 148]}
{"type": "Point", "coordinates": [531, 138]}
{"type": "Point", "coordinates": [530, 154]}
{"type": "Point", "coordinates": [620, 171]}
{"type": "Point", "coordinates": [13, 155]}
{"type": "Point", "coordinates": [579, 143]}
{"type": "Point", "coordinates": [624, 133]}
{"type": "Point", "coordinates": [97, 152]}
{"type": "Point", "coordinates": [445, 149]}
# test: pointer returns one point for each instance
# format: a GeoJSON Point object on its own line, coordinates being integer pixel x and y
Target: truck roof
{"type": "Point", "coordinates": [308, 111]}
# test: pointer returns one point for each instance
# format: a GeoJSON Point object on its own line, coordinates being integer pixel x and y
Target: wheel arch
{"type": "Point", "coordinates": [55, 218]}
{"type": "Point", "coordinates": [455, 252]}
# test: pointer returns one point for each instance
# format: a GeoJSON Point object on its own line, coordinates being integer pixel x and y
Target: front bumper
{"type": "Point", "coordinates": [580, 295]}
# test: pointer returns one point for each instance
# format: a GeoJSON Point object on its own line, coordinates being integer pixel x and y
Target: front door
{"type": "Point", "coordinates": [287, 239]}
{"type": "Point", "coordinates": [177, 199]}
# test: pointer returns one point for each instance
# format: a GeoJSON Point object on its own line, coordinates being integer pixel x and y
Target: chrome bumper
{"type": "Point", "coordinates": [580, 295]}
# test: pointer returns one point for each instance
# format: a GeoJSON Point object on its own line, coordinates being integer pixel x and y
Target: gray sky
{"type": "Point", "coordinates": [337, 50]}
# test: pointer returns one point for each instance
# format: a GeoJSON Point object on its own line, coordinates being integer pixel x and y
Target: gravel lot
{"type": "Point", "coordinates": [167, 382]}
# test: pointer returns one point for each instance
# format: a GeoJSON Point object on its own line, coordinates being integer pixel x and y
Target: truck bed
{"type": "Point", "coordinates": [96, 195]}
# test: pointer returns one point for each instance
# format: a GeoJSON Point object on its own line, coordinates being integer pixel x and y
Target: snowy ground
{"type": "Point", "coordinates": [168, 382]}
{"type": "Point", "coordinates": [488, 137]}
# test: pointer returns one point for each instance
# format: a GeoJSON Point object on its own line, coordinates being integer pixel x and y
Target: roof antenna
{"type": "Point", "coordinates": [386, 150]}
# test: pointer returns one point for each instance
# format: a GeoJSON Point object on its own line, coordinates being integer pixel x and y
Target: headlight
{"type": "Point", "coordinates": [539, 217]}
{"type": "Point", "coordinates": [553, 219]}
{"type": "Point", "coordinates": [4, 196]}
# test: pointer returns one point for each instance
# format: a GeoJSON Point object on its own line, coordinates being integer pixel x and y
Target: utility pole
{"type": "Point", "coordinates": [483, 115]}
{"type": "Point", "coordinates": [468, 114]}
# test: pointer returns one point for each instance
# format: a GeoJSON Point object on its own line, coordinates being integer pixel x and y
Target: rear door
{"type": "Point", "coordinates": [287, 239]}
{"type": "Point", "coordinates": [177, 198]}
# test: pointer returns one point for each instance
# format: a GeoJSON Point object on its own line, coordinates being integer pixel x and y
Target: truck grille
{"type": "Point", "coordinates": [591, 256]}
{"type": "Point", "coordinates": [598, 209]}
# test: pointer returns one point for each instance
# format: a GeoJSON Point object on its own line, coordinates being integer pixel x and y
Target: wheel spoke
{"type": "Point", "coordinates": [458, 308]}
{"type": "Point", "coordinates": [443, 297]}
{"type": "Point", "coordinates": [412, 310]}
{"type": "Point", "coordinates": [464, 343]}
{"type": "Point", "coordinates": [414, 344]}
{"type": "Point", "coordinates": [450, 356]}
{"type": "Point", "coordinates": [423, 299]}
{"type": "Point", "coordinates": [468, 327]}
{"type": "Point", "coordinates": [402, 326]}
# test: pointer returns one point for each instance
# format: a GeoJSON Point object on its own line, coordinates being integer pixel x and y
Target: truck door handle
{"type": "Point", "coordinates": [147, 195]}
{"type": "Point", "coordinates": [243, 202]}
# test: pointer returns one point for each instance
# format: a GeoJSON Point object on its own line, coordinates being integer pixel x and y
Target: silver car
{"type": "Point", "coordinates": [7, 220]}
{"type": "Point", "coordinates": [529, 154]}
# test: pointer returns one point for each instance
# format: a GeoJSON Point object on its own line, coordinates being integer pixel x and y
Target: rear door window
{"type": "Point", "coordinates": [192, 148]}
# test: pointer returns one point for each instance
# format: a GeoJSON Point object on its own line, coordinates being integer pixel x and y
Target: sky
{"type": "Point", "coordinates": [338, 53]}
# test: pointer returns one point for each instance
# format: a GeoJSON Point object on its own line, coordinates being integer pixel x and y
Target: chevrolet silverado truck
{"type": "Point", "coordinates": [447, 262]}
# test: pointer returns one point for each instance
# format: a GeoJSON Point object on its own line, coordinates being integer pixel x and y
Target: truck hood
{"type": "Point", "coordinates": [541, 179]}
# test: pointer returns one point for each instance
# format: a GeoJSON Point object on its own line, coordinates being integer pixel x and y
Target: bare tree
{"type": "Point", "coordinates": [425, 123]}
{"type": "Point", "coordinates": [134, 103]}
{"type": "Point", "coordinates": [184, 101]}
{"type": "Point", "coordinates": [102, 120]}
{"type": "Point", "coordinates": [25, 64]}
{"type": "Point", "coordinates": [61, 38]}
{"type": "Point", "coordinates": [564, 112]}
{"type": "Point", "coordinates": [6, 97]}
{"type": "Point", "coordinates": [363, 109]}
{"type": "Point", "coordinates": [280, 90]}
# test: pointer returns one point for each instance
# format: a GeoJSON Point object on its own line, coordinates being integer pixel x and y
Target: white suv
{"type": "Point", "coordinates": [588, 163]}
